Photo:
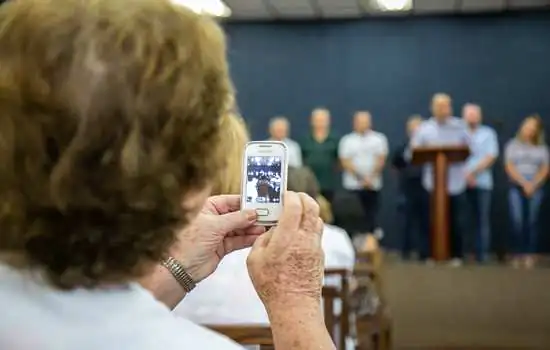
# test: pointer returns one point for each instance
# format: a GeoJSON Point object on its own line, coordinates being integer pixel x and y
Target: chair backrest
{"type": "Point", "coordinates": [247, 334]}
{"type": "Point", "coordinates": [330, 294]}
{"type": "Point", "coordinates": [262, 336]}
{"type": "Point", "coordinates": [374, 258]}
{"type": "Point", "coordinates": [343, 294]}
{"type": "Point", "coordinates": [369, 264]}
{"type": "Point", "coordinates": [368, 305]}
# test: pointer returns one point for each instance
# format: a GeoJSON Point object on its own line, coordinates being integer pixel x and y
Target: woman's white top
{"type": "Point", "coordinates": [228, 296]}
{"type": "Point", "coordinates": [35, 316]}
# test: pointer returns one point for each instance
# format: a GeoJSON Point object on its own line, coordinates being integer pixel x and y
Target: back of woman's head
{"type": "Point", "coordinates": [303, 180]}
{"type": "Point", "coordinates": [109, 117]}
{"type": "Point", "coordinates": [233, 141]}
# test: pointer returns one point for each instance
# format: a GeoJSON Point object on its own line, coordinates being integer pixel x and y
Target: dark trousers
{"type": "Point", "coordinates": [524, 214]}
{"type": "Point", "coordinates": [457, 207]}
{"type": "Point", "coordinates": [479, 227]}
{"type": "Point", "coordinates": [370, 201]}
{"type": "Point", "coordinates": [416, 222]}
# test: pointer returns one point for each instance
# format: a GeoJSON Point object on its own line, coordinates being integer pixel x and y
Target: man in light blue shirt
{"type": "Point", "coordinates": [479, 177]}
{"type": "Point", "coordinates": [445, 130]}
{"type": "Point", "coordinates": [279, 131]}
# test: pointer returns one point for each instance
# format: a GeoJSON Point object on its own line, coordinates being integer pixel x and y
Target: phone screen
{"type": "Point", "coordinates": [263, 179]}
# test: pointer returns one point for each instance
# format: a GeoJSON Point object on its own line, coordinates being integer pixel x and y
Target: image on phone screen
{"type": "Point", "coordinates": [263, 182]}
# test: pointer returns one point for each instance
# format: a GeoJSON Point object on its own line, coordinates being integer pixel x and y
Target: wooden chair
{"type": "Point", "coordinates": [247, 334]}
{"type": "Point", "coordinates": [330, 294]}
{"type": "Point", "coordinates": [369, 264]}
{"type": "Point", "coordinates": [373, 331]}
{"type": "Point", "coordinates": [343, 319]}
{"type": "Point", "coordinates": [372, 258]}
{"type": "Point", "coordinates": [262, 336]}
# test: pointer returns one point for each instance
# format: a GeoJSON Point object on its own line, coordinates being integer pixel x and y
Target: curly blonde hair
{"type": "Point", "coordinates": [233, 141]}
{"type": "Point", "coordinates": [109, 116]}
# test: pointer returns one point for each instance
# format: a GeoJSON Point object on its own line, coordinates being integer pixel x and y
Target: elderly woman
{"type": "Point", "coordinates": [527, 165]}
{"type": "Point", "coordinates": [109, 143]}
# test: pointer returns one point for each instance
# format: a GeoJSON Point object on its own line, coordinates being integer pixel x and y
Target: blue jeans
{"type": "Point", "coordinates": [479, 202]}
{"type": "Point", "coordinates": [524, 213]}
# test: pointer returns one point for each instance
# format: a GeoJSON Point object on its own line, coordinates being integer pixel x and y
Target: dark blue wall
{"type": "Point", "coordinates": [392, 67]}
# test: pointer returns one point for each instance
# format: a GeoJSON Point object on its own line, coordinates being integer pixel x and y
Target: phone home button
{"type": "Point", "coordinates": [262, 212]}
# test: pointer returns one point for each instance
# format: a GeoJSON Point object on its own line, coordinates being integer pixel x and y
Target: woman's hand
{"type": "Point", "coordinates": [286, 263]}
{"type": "Point", "coordinates": [528, 189]}
{"type": "Point", "coordinates": [286, 268]}
{"type": "Point", "coordinates": [219, 229]}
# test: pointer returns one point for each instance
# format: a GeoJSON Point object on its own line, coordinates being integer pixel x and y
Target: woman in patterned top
{"type": "Point", "coordinates": [526, 158]}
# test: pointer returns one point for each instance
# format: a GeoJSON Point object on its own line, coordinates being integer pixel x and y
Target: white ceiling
{"type": "Point", "coordinates": [328, 9]}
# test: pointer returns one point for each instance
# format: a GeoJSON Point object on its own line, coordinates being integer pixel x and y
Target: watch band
{"type": "Point", "coordinates": [178, 271]}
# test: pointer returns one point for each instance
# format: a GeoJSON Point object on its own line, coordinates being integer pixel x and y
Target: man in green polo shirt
{"type": "Point", "coordinates": [320, 152]}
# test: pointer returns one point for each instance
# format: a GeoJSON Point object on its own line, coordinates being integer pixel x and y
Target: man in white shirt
{"type": "Point", "coordinates": [279, 128]}
{"type": "Point", "coordinates": [363, 155]}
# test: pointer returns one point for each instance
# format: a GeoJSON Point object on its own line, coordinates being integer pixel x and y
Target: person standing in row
{"type": "Point", "coordinates": [363, 155]}
{"type": "Point", "coordinates": [414, 198]}
{"type": "Point", "coordinates": [440, 130]}
{"type": "Point", "coordinates": [526, 157]}
{"type": "Point", "coordinates": [479, 177]}
{"type": "Point", "coordinates": [320, 152]}
{"type": "Point", "coordinates": [279, 128]}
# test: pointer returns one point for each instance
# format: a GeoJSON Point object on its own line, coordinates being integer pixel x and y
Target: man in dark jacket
{"type": "Point", "coordinates": [413, 199]}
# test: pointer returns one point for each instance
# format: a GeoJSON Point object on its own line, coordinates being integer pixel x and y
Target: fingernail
{"type": "Point", "coordinates": [251, 215]}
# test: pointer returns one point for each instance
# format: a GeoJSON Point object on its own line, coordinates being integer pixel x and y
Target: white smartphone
{"type": "Point", "coordinates": [263, 184]}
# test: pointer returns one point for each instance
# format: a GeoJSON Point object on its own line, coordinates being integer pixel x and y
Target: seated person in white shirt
{"type": "Point", "coordinates": [228, 296]}
{"type": "Point", "coordinates": [110, 130]}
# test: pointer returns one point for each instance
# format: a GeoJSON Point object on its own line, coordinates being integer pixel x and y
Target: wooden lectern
{"type": "Point", "coordinates": [441, 157]}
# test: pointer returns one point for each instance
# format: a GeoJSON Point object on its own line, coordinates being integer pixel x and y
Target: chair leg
{"type": "Point", "coordinates": [382, 343]}
{"type": "Point", "coordinates": [389, 339]}
{"type": "Point", "coordinates": [376, 341]}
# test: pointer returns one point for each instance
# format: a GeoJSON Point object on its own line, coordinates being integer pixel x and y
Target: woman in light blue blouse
{"type": "Point", "coordinates": [527, 160]}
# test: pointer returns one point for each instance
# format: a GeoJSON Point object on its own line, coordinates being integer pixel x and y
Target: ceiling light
{"type": "Point", "coordinates": [216, 8]}
{"type": "Point", "coordinates": [394, 5]}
